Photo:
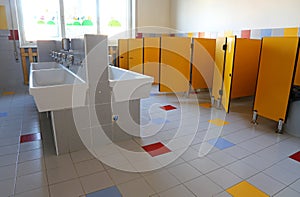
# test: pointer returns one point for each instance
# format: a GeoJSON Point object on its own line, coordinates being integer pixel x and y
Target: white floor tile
{"type": "Point", "coordinates": [203, 186]}
{"type": "Point", "coordinates": [190, 154]}
{"type": "Point", "coordinates": [224, 178]}
{"type": "Point", "coordinates": [30, 167]}
{"type": "Point", "coordinates": [8, 160]}
{"type": "Point", "coordinates": [7, 172]}
{"type": "Point", "coordinates": [8, 150]}
{"type": "Point", "coordinates": [237, 152]}
{"type": "Point", "coordinates": [290, 165]}
{"type": "Point", "coordinates": [271, 155]}
{"type": "Point", "coordinates": [82, 155]}
{"type": "Point", "coordinates": [178, 191]}
{"type": "Point", "coordinates": [221, 158]}
{"type": "Point", "coordinates": [66, 189]}
{"type": "Point", "coordinates": [57, 175]}
{"type": "Point", "coordinates": [223, 194]}
{"type": "Point", "coordinates": [161, 180]}
{"type": "Point", "coordinates": [41, 192]}
{"type": "Point", "coordinates": [30, 182]}
{"type": "Point", "coordinates": [119, 177]}
{"type": "Point", "coordinates": [251, 146]}
{"type": "Point", "coordinates": [60, 161]}
{"type": "Point", "coordinates": [204, 165]}
{"type": "Point", "coordinates": [184, 172]}
{"type": "Point", "coordinates": [284, 176]}
{"type": "Point", "coordinates": [137, 187]}
{"type": "Point", "coordinates": [30, 155]}
{"type": "Point", "coordinates": [95, 182]}
{"type": "Point", "coordinates": [24, 147]}
{"type": "Point", "coordinates": [266, 184]}
{"type": "Point", "coordinates": [296, 186]}
{"type": "Point", "coordinates": [7, 187]}
{"type": "Point", "coordinates": [287, 192]}
{"type": "Point", "coordinates": [242, 170]}
{"type": "Point", "coordinates": [257, 162]}
{"type": "Point", "coordinates": [89, 167]}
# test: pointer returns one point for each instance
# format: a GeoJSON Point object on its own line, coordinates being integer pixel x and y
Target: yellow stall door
{"type": "Point", "coordinates": [245, 67]}
{"type": "Point", "coordinates": [297, 76]}
{"type": "Point", "coordinates": [135, 54]}
{"type": "Point", "coordinates": [277, 66]}
{"type": "Point", "coordinates": [218, 67]}
{"type": "Point", "coordinates": [203, 62]}
{"type": "Point", "coordinates": [151, 58]}
{"type": "Point", "coordinates": [228, 73]}
{"type": "Point", "coordinates": [123, 53]}
{"type": "Point", "coordinates": [175, 64]}
{"type": "Point", "coordinates": [3, 20]}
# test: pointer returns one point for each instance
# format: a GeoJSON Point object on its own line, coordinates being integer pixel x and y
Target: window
{"type": "Point", "coordinates": [55, 19]}
{"type": "Point", "coordinates": [114, 16]}
{"type": "Point", "coordinates": [39, 20]}
{"type": "Point", "coordinates": [80, 17]}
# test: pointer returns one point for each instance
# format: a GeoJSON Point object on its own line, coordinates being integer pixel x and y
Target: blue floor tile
{"type": "Point", "coordinates": [3, 114]}
{"type": "Point", "coordinates": [108, 192]}
{"type": "Point", "coordinates": [221, 143]}
{"type": "Point", "coordinates": [160, 121]}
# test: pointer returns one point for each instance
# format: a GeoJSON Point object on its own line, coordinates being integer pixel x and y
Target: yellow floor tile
{"type": "Point", "coordinates": [205, 105]}
{"type": "Point", "coordinates": [245, 189]}
{"type": "Point", "coordinates": [8, 93]}
{"type": "Point", "coordinates": [218, 122]}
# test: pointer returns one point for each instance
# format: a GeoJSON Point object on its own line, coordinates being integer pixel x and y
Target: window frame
{"type": "Point", "coordinates": [61, 20]}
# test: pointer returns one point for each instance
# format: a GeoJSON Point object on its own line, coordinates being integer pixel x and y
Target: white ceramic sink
{"type": "Point", "coordinates": [127, 85]}
{"type": "Point", "coordinates": [56, 89]}
{"type": "Point", "coordinates": [45, 65]}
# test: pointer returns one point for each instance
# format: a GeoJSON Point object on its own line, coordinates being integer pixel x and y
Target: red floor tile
{"type": "Point", "coordinates": [168, 107]}
{"type": "Point", "coordinates": [30, 137]}
{"type": "Point", "coordinates": [156, 149]}
{"type": "Point", "coordinates": [296, 156]}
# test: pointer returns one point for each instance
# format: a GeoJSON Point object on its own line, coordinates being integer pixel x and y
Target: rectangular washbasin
{"type": "Point", "coordinates": [127, 85]}
{"type": "Point", "coordinates": [56, 89]}
{"type": "Point", "coordinates": [45, 65]}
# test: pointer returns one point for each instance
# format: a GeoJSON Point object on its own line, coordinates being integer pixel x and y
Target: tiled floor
{"type": "Point", "coordinates": [243, 160]}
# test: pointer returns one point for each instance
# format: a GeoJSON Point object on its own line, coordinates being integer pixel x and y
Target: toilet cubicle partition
{"type": "Point", "coordinates": [175, 64]}
{"type": "Point", "coordinates": [277, 70]}
{"type": "Point", "coordinates": [123, 53]}
{"type": "Point", "coordinates": [152, 57]}
{"type": "Point", "coordinates": [297, 76]}
{"type": "Point", "coordinates": [135, 55]}
{"type": "Point", "coordinates": [239, 73]}
{"type": "Point", "coordinates": [203, 62]}
{"type": "Point", "coordinates": [228, 72]}
{"type": "Point", "coordinates": [220, 55]}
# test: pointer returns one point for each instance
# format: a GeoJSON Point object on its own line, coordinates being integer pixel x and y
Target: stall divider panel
{"type": "Point", "coordinates": [3, 20]}
{"type": "Point", "coordinates": [228, 72]}
{"type": "Point", "coordinates": [175, 64]}
{"type": "Point", "coordinates": [135, 54]}
{"type": "Point", "coordinates": [218, 67]}
{"type": "Point", "coordinates": [245, 67]}
{"type": "Point", "coordinates": [203, 62]}
{"type": "Point", "coordinates": [297, 76]}
{"type": "Point", "coordinates": [276, 70]}
{"type": "Point", "coordinates": [123, 53]}
{"type": "Point", "coordinates": [151, 58]}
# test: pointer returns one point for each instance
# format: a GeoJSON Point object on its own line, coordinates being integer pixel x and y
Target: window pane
{"type": "Point", "coordinates": [114, 16]}
{"type": "Point", "coordinates": [40, 19]}
{"type": "Point", "coordinates": [80, 17]}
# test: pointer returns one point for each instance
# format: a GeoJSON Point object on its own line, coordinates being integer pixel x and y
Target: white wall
{"type": "Point", "coordinates": [220, 15]}
{"type": "Point", "coordinates": [11, 75]}
{"type": "Point", "coordinates": [154, 13]}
